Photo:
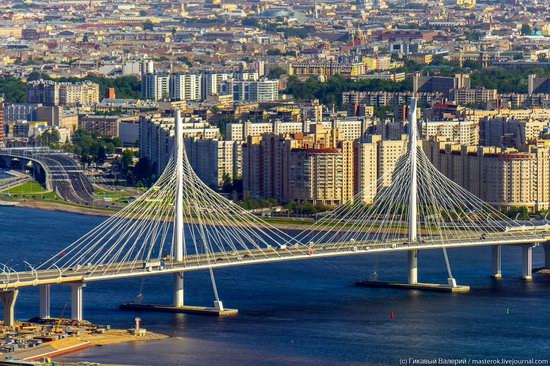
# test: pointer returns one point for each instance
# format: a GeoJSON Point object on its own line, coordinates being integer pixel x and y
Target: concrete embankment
{"type": "Point", "coordinates": [73, 344]}
{"type": "Point", "coordinates": [9, 203]}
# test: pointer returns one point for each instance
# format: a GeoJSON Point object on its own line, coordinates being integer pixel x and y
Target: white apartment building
{"type": "Point", "coordinates": [348, 129]}
{"type": "Point", "coordinates": [212, 159]}
{"type": "Point", "coordinates": [255, 91]}
{"type": "Point", "coordinates": [464, 132]}
{"type": "Point", "coordinates": [215, 160]}
{"type": "Point", "coordinates": [155, 86]}
{"type": "Point", "coordinates": [185, 87]}
{"type": "Point", "coordinates": [375, 163]}
{"type": "Point", "coordinates": [214, 84]}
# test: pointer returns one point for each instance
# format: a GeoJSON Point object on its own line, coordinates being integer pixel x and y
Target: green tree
{"type": "Point", "coordinates": [276, 72]}
{"type": "Point", "coordinates": [526, 29]}
{"type": "Point", "coordinates": [330, 92]}
{"type": "Point", "coordinates": [250, 22]}
{"type": "Point", "coordinates": [521, 213]}
{"type": "Point", "coordinates": [383, 112]}
{"type": "Point", "coordinates": [143, 173]}
{"type": "Point", "coordinates": [50, 138]}
{"type": "Point", "coordinates": [92, 148]}
{"type": "Point", "coordinates": [14, 90]}
{"type": "Point", "coordinates": [185, 60]}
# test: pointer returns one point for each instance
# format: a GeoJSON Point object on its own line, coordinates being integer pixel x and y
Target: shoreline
{"type": "Point", "coordinates": [90, 211]}
{"type": "Point", "coordinates": [65, 346]}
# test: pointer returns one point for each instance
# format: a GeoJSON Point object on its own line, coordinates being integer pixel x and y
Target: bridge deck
{"type": "Point", "coordinates": [89, 273]}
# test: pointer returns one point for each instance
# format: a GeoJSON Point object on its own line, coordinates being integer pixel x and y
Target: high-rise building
{"type": "Point", "coordinates": [52, 93]}
{"type": "Point", "coordinates": [511, 132]}
{"type": "Point", "coordinates": [381, 99]}
{"type": "Point", "coordinates": [501, 177]}
{"type": "Point", "coordinates": [214, 84]}
{"type": "Point", "coordinates": [316, 167]}
{"type": "Point", "coordinates": [43, 91]}
{"type": "Point", "coordinates": [465, 96]}
{"type": "Point", "coordinates": [185, 87]}
{"type": "Point", "coordinates": [465, 132]}
{"type": "Point", "coordinates": [106, 126]}
{"type": "Point", "coordinates": [155, 86]}
{"type": "Point", "coordinates": [20, 111]}
{"type": "Point", "coordinates": [255, 91]}
{"type": "Point", "coordinates": [212, 159]}
{"type": "Point", "coordinates": [147, 67]}
{"type": "Point", "coordinates": [322, 175]}
{"type": "Point", "coordinates": [83, 93]}
{"type": "Point", "coordinates": [375, 162]}
{"type": "Point", "coordinates": [440, 84]}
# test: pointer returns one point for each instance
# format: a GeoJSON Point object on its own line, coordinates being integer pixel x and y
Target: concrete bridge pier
{"type": "Point", "coordinates": [8, 299]}
{"type": "Point", "coordinates": [76, 300]}
{"type": "Point", "coordinates": [45, 300]}
{"type": "Point", "coordinates": [178, 290]}
{"type": "Point", "coordinates": [497, 261]}
{"type": "Point", "coordinates": [527, 262]}
{"type": "Point", "coordinates": [413, 267]}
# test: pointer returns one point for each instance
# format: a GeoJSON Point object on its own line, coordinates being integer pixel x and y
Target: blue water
{"type": "Point", "coordinates": [302, 313]}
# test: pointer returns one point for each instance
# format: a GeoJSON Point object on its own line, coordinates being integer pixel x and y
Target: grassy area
{"type": "Point", "coordinates": [30, 189]}
{"type": "Point", "coordinates": [112, 196]}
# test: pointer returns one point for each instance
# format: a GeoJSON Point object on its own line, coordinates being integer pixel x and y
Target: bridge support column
{"type": "Point", "coordinates": [546, 255]}
{"type": "Point", "coordinates": [8, 299]}
{"type": "Point", "coordinates": [178, 290]}
{"type": "Point", "coordinates": [179, 232]}
{"type": "Point", "coordinates": [45, 300]}
{"type": "Point", "coordinates": [497, 261]}
{"type": "Point", "coordinates": [527, 262]}
{"type": "Point", "coordinates": [413, 266]}
{"type": "Point", "coordinates": [76, 301]}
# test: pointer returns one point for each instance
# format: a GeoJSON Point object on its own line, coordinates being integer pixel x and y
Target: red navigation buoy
{"type": "Point", "coordinates": [392, 315]}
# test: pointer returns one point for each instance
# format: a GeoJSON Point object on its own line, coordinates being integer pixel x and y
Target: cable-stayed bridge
{"type": "Point", "coordinates": [180, 225]}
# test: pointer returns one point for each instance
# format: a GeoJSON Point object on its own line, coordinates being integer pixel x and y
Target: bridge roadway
{"type": "Point", "coordinates": [89, 273]}
{"type": "Point", "coordinates": [63, 175]}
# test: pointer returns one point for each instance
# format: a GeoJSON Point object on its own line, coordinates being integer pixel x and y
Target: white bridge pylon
{"type": "Point", "coordinates": [414, 207]}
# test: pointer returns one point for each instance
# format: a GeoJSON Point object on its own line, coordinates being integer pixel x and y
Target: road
{"type": "Point", "coordinates": [10, 279]}
{"type": "Point", "coordinates": [63, 173]}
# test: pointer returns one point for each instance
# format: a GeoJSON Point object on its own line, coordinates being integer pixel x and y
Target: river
{"type": "Point", "coordinates": [301, 313]}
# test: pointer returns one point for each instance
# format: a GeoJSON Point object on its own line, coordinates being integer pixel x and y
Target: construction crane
{"type": "Point", "coordinates": [58, 323]}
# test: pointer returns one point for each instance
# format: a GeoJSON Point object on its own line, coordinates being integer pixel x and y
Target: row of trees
{"type": "Point", "coordinates": [14, 90]}
{"type": "Point", "coordinates": [92, 148]}
{"type": "Point", "coordinates": [140, 174]}
{"type": "Point", "coordinates": [504, 80]}
{"type": "Point", "coordinates": [330, 92]}
{"type": "Point", "coordinates": [126, 87]}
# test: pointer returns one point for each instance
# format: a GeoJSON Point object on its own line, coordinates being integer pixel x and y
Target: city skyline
{"type": "Point", "coordinates": [378, 171]}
